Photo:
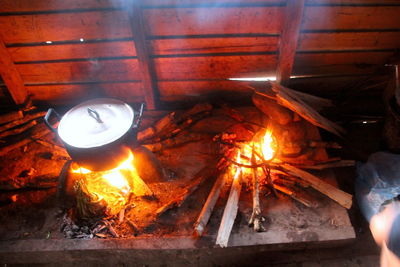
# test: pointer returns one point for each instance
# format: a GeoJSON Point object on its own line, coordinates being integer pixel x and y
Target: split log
{"type": "Point", "coordinates": [18, 130]}
{"type": "Point", "coordinates": [11, 116]}
{"type": "Point", "coordinates": [24, 120]}
{"type": "Point", "coordinates": [296, 104]}
{"type": "Point", "coordinates": [293, 195]}
{"type": "Point", "coordinates": [37, 132]}
{"type": "Point", "coordinates": [176, 141]}
{"type": "Point", "coordinates": [153, 130]}
{"type": "Point", "coordinates": [341, 197]}
{"type": "Point", "coordinates": [208, 207]}
{"type": "Point", "coordinates": [139, 187]}
{"type": "Point", "coordinates": [336, 164]}
{"type": "Point", "coordinates": [230, 212]}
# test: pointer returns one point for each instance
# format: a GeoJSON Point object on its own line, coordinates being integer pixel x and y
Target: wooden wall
{"type": "Point", "coordinates": [67, 51]}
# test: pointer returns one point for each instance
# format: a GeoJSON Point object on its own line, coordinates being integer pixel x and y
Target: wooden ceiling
{"type": "Point", "coordinates": [159, 51]}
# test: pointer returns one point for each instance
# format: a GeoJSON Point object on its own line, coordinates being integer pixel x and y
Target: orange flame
{"type": "Point", "coordinates": [268, 146]}
{"type": "Point", "coordinates": [111, 186]}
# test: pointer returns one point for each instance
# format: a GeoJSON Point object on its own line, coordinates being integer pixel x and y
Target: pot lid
{"type": "Point", "coordinates": [95, 123]}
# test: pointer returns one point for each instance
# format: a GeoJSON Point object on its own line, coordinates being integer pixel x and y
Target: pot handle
{"type": "Point", "coordinates": [47, 117]}
{"type": "Point", "coordinates": [139, 119]}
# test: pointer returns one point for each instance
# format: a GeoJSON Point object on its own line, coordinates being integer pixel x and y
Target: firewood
{"type": "Point", "coordinates": [230, 212]}
{"type": "Point", "coordinates": [37, 132]}
{"type": "Point", "coordinates": [208, 207]}
{"type": "Point", "coordinates": [18, 130]}
{"type": "Point", "coordinates": [336, 164]}
{"type": "Point", "coordinates": [341, 197]}
{"type": "Point", "coordinates": [273, 110]}
{"type": "Point", "coordinates": [60, 151]}
{"type": "Point", "coordinates": [24, 120]}
{"type": "Point", "coordinates": [139, 187]}
{"type": "Point", "coordinates": [11, 116]}
{"type": "Point", "coordinates": [176, 141]}
{"type": "Point", "coordinates": [200, 177]}
{"type": "Point", "coordinates": [173, 123]}
{"type": "Point", "coordinates": [256, 219]}
{"type": "Point", "coordinates": [296, 104]}
{"type": "Point", "coordinates": [293, 195]}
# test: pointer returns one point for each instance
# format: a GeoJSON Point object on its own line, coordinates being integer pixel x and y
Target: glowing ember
{"type": "Point", "coordinates": [107, 188]}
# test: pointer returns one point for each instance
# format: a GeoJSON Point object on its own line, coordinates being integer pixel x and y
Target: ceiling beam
{"type": "Point", "coordinates": [146, 66]}
{"type": "Point", "coordinates": [289, 38]}
{"type": "Point", "coordinates": [11, 76]}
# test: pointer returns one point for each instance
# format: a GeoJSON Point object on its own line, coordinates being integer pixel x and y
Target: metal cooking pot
{"type": "Point", "coordinates": [96, 133]}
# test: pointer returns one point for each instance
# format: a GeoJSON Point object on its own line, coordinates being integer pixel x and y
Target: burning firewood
{"type": "Point", "coordinates": [208, 207]}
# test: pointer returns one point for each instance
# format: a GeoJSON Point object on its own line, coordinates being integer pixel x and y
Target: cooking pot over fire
{"type": "Point", "coordinates": [96, 133]}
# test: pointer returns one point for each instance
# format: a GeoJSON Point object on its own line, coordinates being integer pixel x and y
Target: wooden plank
{"type": "Point", "coordinates": [72, 51]}
{"type": "Point", "coordinates": [352, 2]}
{"type": "Point", "coordinates": [80, 71]}
{"type": "Point", "coordinates": [349, 41]}
{"type": "Point", "coordinates": [64, 26]}
{"type": "Point", "coordinates": [76, 93]}
{"type": "Point", "coordinates": [215, 67]}
{"type": "Point", "coordinates": [54, 5]}
{"type": "Point", "coordinates": [11, 76]}
{"type": "Point", "coordinates": [189, 21]}
{"type": "Point", "coordinates": [146, 64]}
{"type": "Point", "coordinates": [339, 63]}
{"type": "Point", "coordinates": [212, 3]}
{"type": "Point", "coordinates": [214, 45]}
{"type": "Point", "coordinates": [348, 17]}
{"type": "Point", "coordinates": [288, 43]}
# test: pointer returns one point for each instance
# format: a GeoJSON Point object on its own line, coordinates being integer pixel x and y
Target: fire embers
{"type": "Point", "coordinates": [105, 193]}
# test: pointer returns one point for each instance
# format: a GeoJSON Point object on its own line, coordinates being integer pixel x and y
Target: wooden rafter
{"type": "Point", "coordinates": [142, 51]}
{"type": "Point", "coordinates": [11, 76]}
{"type": "Point", "coordinates": [289, 38]}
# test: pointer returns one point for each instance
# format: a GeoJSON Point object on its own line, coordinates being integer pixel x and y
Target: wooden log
{"type": "Point", "coordinates": [293, 195]}
{"type": "Point", "coordinates": [341, 197]}
{"type": "Point", "coordinates": [11, 76]}
{"type": "Point", "coordinates": [153, 130]}
{"type": "Point", "coordinates": [18, 130]}
{"type": "Point", "coordinates": [179, 140]}
{"type": "Point", "coordinates": [289, 38]}
{"type": "Point", "coordinates": [18, 122]}
{"type": "Point", "coordinates": [330, 165]}
{"type": "Point", "coordinates": [146, 66]}
{"type": "Point", "coordinates": [296, 104]}
{"type": "Point", "coordinates": [139, 187]}
{"type": "Point", "coordinates": [208, 207]}
{"type": "Point", "coordinates": [37, 132]}
{"type": "Point", "coordinates": [273, 110]}
{"type": "Point", "coordinates": [54, 148]}
{"type": "Point", "coordinates": [12, 116]}
{"type": "Point", "coordinates": [230, 211]}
